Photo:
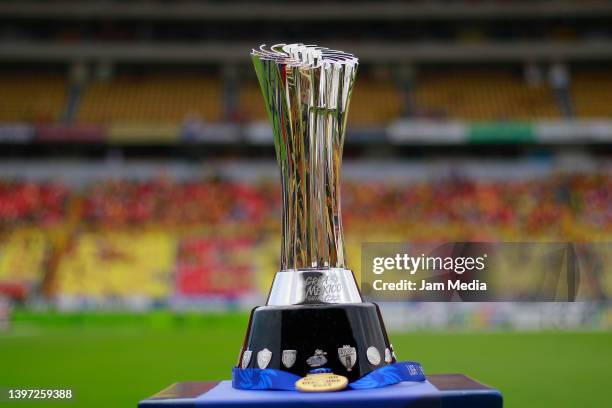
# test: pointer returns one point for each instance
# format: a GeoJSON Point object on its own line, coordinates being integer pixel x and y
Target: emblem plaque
{"type": "Point", "coordinates": [373, 355]}
{"type": "Point", "coordinates": [388, 356]}
{"type": "Point", "coordinates": [347, 356]}
{"type": "Point", "coordinates": [318, 359]}
{"type": "Point", "coordinates": [288, 358]}
{"type": "Point", "coordinates": [246, 358]}
{"type": "Point", "coordinates": [263, 358]}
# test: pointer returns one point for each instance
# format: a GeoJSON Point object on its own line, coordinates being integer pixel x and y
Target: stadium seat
{"type": "Point", "coordinates": [482, 95]}
{"type": "Point", "coordinates": [153, 98]}
{"type": "Point", "coordinates": [591, 92]}
{"type": "Point", "coordinates": [23, 256]}
{"type": "Point", "coordinates": [32, 97]}
{"type": "Point", "coordinates": [214, 266]}
{"type": "Point", "coordinates": [115, 265]}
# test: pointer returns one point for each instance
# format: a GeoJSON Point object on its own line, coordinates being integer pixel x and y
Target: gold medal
{"type": "Point", "coordinates": [323, 382]}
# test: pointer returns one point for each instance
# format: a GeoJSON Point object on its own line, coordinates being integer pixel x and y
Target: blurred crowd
{"type": "Point", "coordinates": [162, 239]}
{"type": "Point", "coordinates": [39, 203]}
{"type": "Point", "coordinates": [120, 202]}
{"type": "Point", "coordinates": [531, 205]}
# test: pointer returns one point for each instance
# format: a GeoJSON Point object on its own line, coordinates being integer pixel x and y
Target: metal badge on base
{"type": "Point", "coordinates": [348, 356]}
{"type": "Point", "coordinates": [263, 358]}
{"type": "Point", "coordinates": [246, 358]}
{"type": "Point", "coordinates": [289, 357]}
{"type": "Point", "coordinates": [314, 307]}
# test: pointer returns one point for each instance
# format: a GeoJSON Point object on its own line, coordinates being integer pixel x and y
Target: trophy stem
{"type": "Point", "coordinates": [309, 136]}
{"type": "Point", "coordinates": [306, 92]}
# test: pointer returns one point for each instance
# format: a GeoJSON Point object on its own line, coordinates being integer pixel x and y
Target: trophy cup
{"type": "Point", "coordinates": [315, 333]}
{"type": "Point", "coordinates": [315, 319]}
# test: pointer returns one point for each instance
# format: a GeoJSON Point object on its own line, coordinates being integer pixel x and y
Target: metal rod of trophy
{"type": "Point", "coordinates": [307, 99]}
{"type": "Point", "coordinates": [306, 92]}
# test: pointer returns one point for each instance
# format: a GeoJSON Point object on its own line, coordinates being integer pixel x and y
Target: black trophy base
{"type": "Point", "coordinates": [349, 339]}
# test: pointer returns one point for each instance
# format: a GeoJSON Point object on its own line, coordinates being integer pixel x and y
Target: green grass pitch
{"type": "Point", "coordinates": [116, 360]}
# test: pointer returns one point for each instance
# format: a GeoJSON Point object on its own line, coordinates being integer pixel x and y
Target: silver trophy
{"type": "Point", "coordinates": [307, 91]}
{"type": "Point", "coordinates": [314, 314]}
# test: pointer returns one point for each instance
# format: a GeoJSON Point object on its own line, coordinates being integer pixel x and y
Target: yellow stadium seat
{"type": "Point", "coordinates": [22, 256]}
{"type": "Point", "coordinates": [118, 264]}
{"type": "Point", "coordinates": [32, 97]}
{"type": "Point", "coordinates": [155, 98]}
{"type": "Point", "coordinates": [483, 96]}
{"type": "Point", "coordinates": [592, 94]}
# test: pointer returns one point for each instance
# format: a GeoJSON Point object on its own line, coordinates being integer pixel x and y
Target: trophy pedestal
{"type": "Point", "coordinates": [442, 390]}
{"type": "Point", "coordinates": [293, 334]}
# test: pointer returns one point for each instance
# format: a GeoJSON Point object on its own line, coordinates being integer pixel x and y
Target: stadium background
{"type": "Point", "coordinates": [139, 200]}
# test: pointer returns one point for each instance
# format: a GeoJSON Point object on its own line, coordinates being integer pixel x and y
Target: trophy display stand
{"type": "Point", "coordinates": [440, 390]}
{"type": "Point", "coordinates": [315, 334]}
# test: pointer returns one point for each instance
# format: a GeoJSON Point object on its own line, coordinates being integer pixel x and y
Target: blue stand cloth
{"type": "Point", "coordinates": [443, 390]}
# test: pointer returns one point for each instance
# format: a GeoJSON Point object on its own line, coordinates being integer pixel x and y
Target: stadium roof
{"type": "Point", "coordinates": [212, 53]}
{"type": "Point", "coordinates": [393, 10]}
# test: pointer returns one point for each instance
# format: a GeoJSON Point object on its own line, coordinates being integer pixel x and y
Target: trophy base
{"type": "Point", "coordinates": [350, 339]}
{"type": "Point", "coordinates": [441, 390]}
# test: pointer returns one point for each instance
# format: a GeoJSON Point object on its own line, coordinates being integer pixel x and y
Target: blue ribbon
{"type": "Point", "coordinates": [389, 375]}
{"type": "Point", "coordinates": [263, 379]}
{"type": "Point", "coordinates": [273, 379]}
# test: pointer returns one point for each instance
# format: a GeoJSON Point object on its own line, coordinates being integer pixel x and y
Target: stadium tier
{"type": "Point", "coordinates": [483, 96]}
{"type": "Point", "coordinates": [126, 241]}
{"type": "Point", "coordinates": [150, 100]}
{"type": "Point", "coordinates": [200, 261]}
{"type": "Point", "coordinates": [591, 94]}
{"type": "Point", "coordinates": [117, 265]}
{"type": "Point", "coordinates": [24, 253]}
{"type": "Point", "coordinates": [32, 98]}
{"type": "Point", "coordinates": [375, 103]}
{"type": "Point", "coordinates": [250, 101]}
{"type": "Point", "coordinates": [120, 202]}
{"type": "Point", "coordinates": [39, 203]}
